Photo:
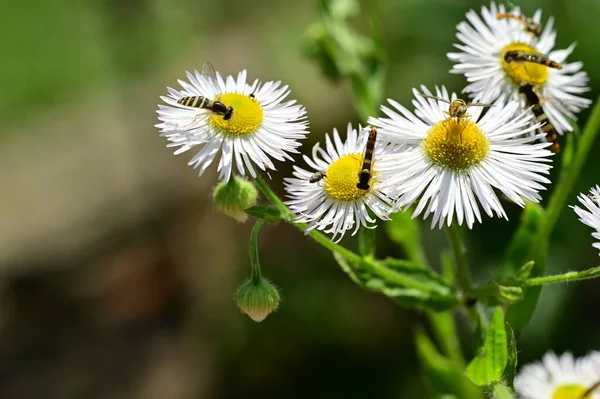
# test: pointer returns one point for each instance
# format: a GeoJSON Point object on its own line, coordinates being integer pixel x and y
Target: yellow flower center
{"type": "Point", "coordinates": [524, 72]}
{"type": "Point", "coordinates": [571, 392]}
{"type": "Point", "coordinates": [457, 145]}
{"type": "Point", "coordinates": [341, 178]}
{"type": "Point", "coordinates": [246, 118]}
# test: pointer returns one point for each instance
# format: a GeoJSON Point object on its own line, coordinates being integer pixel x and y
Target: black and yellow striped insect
{"type": "Point", "coordinates": [365, 173]}
{"type": "Point", "coordinates": [530, 25]}
{"type": "Point", "coordinates": [457, 108]}
{"type": "Point", "coordinates": [215, 106]}
{"type": "Point", "coordinates": [534, 101]}
{"type": "Point", "coordinates": [537, 58]}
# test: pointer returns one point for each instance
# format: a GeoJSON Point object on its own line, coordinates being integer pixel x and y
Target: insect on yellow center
{"type": "Point", "coordinates": [342, 177]}
{"type": "Point", "coordinates": [572, 391]}
{"type": "Point", "coordinates": [524, 72]}
{"type": "Point", "coordinates": [457, 145]}
{"type": "Point", "coordinates": [246, 118]}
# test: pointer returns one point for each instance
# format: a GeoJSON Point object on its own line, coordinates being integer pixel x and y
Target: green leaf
{"type": "Point", "coordinates": [440, 296]}
{"type": "Point", "coordinates": [511, 366]}
{"type": "Point", "coordinates": [501, 391]}
{"type": "Point", "coordinates": [510, 294]}
{"type": "Point", "coordinates": [519, 315]}
{"type": "Point", "coordinates": [270, 213]}
{"type": "Point", "coordinates": [480, 328]}
{"type": "Point", "coordinates": [366, 241]}
{"type": "Point", "coordinates": [349, 270]}
{"type": "Point", "coordinates": [489, 364]}
{"type": "Point", "coordinates": [525, 271]}
{"type": "Point", "coordinates": [519, 248]}
{"type": "Point", "coordinates": [444, 376]}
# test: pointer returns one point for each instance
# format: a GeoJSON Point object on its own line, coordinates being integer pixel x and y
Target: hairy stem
{"type": "Point", "coordinates": [564, 278]}
{"type": "Point", "coordinates": [254, 263]}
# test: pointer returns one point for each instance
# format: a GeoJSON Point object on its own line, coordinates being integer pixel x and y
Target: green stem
{"type": "Point", "coordinates": [460, 258]}
{"type": "Point", "coordinates": [275, 200]}
{"type": "Point", "coordinates": [255, 274]}
{"type": "Point", "coordinates": [330, 245]}
{"type": "Point", "coordinates": [569, 176]}
{"type": "Point", "coordinates": [350, 256]}
{"type": "Point", "coordinates": [564, 278]}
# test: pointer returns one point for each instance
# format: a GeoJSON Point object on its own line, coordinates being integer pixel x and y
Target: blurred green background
{"type": "Point", "coordinates": [118, 276]}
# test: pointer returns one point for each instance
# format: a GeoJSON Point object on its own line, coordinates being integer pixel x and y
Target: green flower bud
{"type": "Point", "coordinates": [234, 196]}
{"type": "Point", "coordinates": [257, 298]}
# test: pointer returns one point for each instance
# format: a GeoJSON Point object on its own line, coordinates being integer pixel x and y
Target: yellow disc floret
{"type": "Point", "coordinates": [572, 391]}
{"type": "Point", "coordinates": [342, 177]}
{"type": "Point", "coordinates": [524, 72]}
{"type": "Point", "coordinates": [246, 118]}
{"type": "Point", "coordinates": [456, 144]}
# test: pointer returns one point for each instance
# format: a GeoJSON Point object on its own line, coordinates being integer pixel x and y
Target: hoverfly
{"type": "Point", "coordinates": [365, 172]}
{"type": "Point", "coordinates": [533, 100]}
{"type": "Point", "coordinates": [457, 108]}
{"type": "Point", "coordinates": [317, 177]}
{"type": "Point", "coordinates": [530, 25]}
{"type": "Point", "coordinates": [537, 58]}
{"type": "Point", "coordinates": [216, 106]}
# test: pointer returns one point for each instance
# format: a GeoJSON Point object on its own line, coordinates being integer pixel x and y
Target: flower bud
{"type": "Point", "coordinates": [234, 196]}
{"type": "Point", "coordinates": [257, 298]}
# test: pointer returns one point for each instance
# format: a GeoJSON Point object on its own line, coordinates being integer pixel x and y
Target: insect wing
{"type": "Point", "coordinates": [208, 71]}
{"type": "Point", "coordinates": [435, 98]}
{"type": "Point", "coordinates": [479, 105]}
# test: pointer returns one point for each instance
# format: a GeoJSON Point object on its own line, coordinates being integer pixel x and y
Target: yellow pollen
{"type": "Point", "coordinates": [246, 119]}
{"type": "Point", "coordinates": [573, 391]}
{"type": "Point", "coordinates": [524, 72]}
{"type": "Point", "coordinates": [457, 145]}
{"type": "Point", "coordinates": [342, 176]}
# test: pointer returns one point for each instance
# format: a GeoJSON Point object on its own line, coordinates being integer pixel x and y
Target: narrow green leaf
{"type": "Point", "coordinates": [270, 213]}
{"type": "Point", "coordinates": [440, 296]}
{"type": "Point", "coordinates": [444, 376]}
{"type": "Point", "coordinates": [349, 270]}
{"type": "Point", "coordinates": [480, 328]}
{"type": "Point", "coordinates": [489, 364]}
{"type": "Point", "coordinates": [511, 365]}
{"type": "Point", "coordinates": [501, 391]}
{"type": "Point", "coordinates": [525, 271]}
{"type": "Point", "coordinates": [366, 241]}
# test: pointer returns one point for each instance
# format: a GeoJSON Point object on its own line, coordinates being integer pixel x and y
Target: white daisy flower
{"type": "Point", "coordinates": [327, 197]}
{"type": "Point", "coordinates": [591, 214]}
{"type": "Point", "coordinates": [454, 164]}
{"type": "Point", "coordinates": [558, 377]}
{"type": "Point", "coordinates": [262, 125]}
{"type": "Point", "coordinates": [484, 45]}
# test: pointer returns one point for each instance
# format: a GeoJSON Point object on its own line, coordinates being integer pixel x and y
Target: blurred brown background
{"type": "Point", "coordinates": [116, 274]}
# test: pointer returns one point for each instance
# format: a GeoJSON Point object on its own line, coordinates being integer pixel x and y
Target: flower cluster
{"type": "Point", "coordinates": [452, 159]}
